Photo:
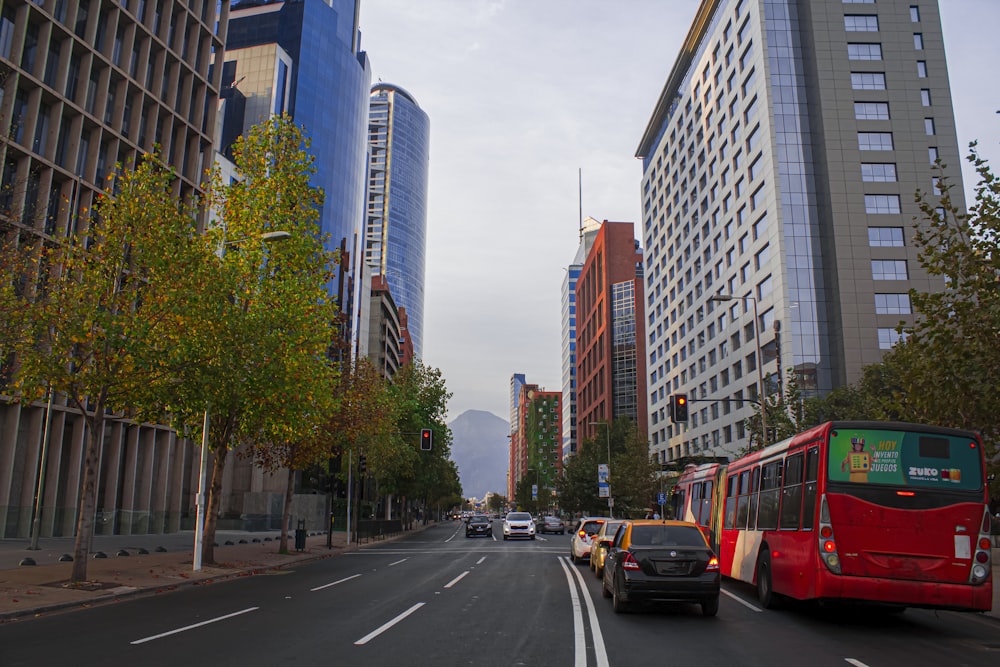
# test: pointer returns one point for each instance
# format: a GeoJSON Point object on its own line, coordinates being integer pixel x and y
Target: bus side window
{"type": "Point", "coordinates": [706, 504]}
{"type": "Point", "coordinates": [677, 502]}
{"type": "Point", "coordinates": [731, 494]}
{"type": "Point", "coordinates": [809, 489]}
{"type": "Point", "coordinates": [791, 494]}
{"type": "Point", "coordinates": [744, 503]}
{"type": "Point", "coordinates": [754, 489]}
{"type": "Point", "coordinates": [770, 495]}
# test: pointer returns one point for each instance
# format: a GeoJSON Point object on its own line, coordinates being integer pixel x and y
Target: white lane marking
{"type": "Point", "coordinates": [376, 632]}
{"type": "Point", "coordinates": [403, 560]}
{"type": "Point", "coordinates": [856, 663]}
{"type": "Point", "coordinates": [192, 627]}
{"type": "Point", "coordinates": [480, 561]}
{"type": "Point", "coordinates": [334, 583]}
{"type": "Point", "coordinates": [600, 651]}
{"type": "Point", "coordinates": [456, 580]}
{"type": "Point", "coordinates": [580, 637]}
{"type": "Point", "coordinates": [740, 600]}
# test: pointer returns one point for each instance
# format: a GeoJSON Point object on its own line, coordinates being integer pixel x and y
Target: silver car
{"type": "Point", "coordinates": [518, 524]}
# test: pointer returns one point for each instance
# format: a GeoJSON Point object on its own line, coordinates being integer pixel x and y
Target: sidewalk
{"type": "Point", "coordinates": [154, 564]}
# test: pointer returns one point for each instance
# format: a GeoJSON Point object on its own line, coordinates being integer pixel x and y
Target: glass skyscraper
{"type": "Point", "coordinates": [326, 79]}
{"type": "Point", "coordinates": [396, 228]}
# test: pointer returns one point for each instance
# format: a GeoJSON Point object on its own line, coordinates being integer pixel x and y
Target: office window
{"type": "Point", "coordinates": [918, 41]}
{"type": "Point", "coordinates": [875, 141]}
{"type": "Point", "coordinates": [914, 14]}
{"type": "Point", "coordinates": [864, 51]}
{"type": "Point", "coordinates": [868, 80]}
{"type": "Point", "coordinates": [889, 269]}
{"type": "Point", "coordinates": [881, 204]}
{"type": "Point", "coordinates": [887, 338]}
{"type": "Point", "coordinates": [871, 111]}
{"type": "Point", "coordinates": [885, 237]}
{"type": "Point", "coordinates": [929, 126]}
{"type": "Point", "coordinates": [925, 97]}
{"type": "Point", "coordinates": [932, 154]}
{"type": "Point", "coordinates": [922, 69]}
{"type": "Point", "coordinates": [860, 23]}
{"type": "Point", "coordinates": [878, 172]}
{"type": "Point", "coordinates": [893, 304]}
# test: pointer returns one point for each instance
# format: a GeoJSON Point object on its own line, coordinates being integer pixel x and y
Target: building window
{"type": "Point", "coordinates": [860, 23]}
{"type": "Point", "coordinates": [885, 237]}
{"type": "Point", "coordinates": [889, 269]}
{"type": "Point", "coordinates": [871, 111]}
{"type": "Point", "coordinates": [918, 41]}
{"type": "Point", "coordinates": [929, 126]}
{"type": "Point", "coordinates": [932, 154]}
{"type": "Point", "coordinates": [922, 69]}
{"type": "Point", "coordinates": [881, 204]}
{"type": "Point", "coordinates": [868, 80]}
{"type": "Point", "coordinates": [864, 51]}
{"type": "Point", "coordinates": [887, 338]}
{"type": "Point", "coordinates": [893, 304]}
{"type": "Point", "coordinates": [875, 141]}
{"type": "Point", "coordinates": [878, 172]}
{"type": "Point", "coordinates": [914, 14]}
{"type": "Point", "coordinates": [925, 97]}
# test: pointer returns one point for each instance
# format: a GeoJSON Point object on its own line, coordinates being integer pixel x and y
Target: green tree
{"type": "Point", "coordinates": [104, 307]}
{"type": "Point", "coordinates": [577, 486]}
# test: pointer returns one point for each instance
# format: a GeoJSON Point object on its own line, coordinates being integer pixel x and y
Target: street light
{"type": "Point", "coordinates": [760, 356]}
{"type": "Point", "coordinates": [607, 430]}
{"type": "Point", "coordinates": [199, 523]}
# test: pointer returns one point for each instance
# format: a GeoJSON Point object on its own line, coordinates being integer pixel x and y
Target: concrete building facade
{"type": "Point", "coordinates": [779, 168]}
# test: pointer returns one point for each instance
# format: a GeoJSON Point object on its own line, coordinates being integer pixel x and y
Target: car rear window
{"type": "Point", "coordinates": [667, 536]}
{"type": "Point", "coordinates": [591, 527]}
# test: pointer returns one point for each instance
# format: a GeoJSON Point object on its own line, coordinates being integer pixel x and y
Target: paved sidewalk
{"type": "Point", "coordinates": [138, 564]}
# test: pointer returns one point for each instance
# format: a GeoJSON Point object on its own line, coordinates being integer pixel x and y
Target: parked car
{"type": "Point", "coordinates": [551, 524]}
{"type": "Point", "coordinates": [583, 534]}
{"type": "Point", "coordinates": [600, 544]}
{"type": "Point", "coordinates": [479, 524]}
{"type": "Point", "coordinates": [661, 561]}
{"type": "Point", "coordinates": [518, 524]}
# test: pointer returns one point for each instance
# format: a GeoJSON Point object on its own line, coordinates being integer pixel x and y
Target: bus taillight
{"type": "Point", "coordinates": [827, 545]}
{"type": "Point", "coordinates": [981, 560]}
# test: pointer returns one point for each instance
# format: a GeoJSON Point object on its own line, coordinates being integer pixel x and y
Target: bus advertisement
{"type": "Point", "coordinates": [882, 512]}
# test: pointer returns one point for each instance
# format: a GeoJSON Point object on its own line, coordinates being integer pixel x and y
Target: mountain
{"type": "Point", "coordinates": [480, 449]}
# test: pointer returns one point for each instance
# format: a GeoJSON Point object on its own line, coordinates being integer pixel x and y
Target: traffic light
{"type": "Point", "coordinates": [678, 408]}
{"type": "Point", "coordinates": [426, 439]}
{"type": "Point", "coordinates": [362, 464]}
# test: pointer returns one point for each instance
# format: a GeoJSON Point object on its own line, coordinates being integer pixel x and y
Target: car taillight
{"type": "Point", "coordinates": [713, 565]}
{"type": "Point", "coordinates": [582, 534]}
{"type": "Point", "coordinates": [629, 562]}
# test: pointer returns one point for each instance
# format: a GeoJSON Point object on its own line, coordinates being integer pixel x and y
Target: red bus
{"type": "Point", "coordinates": [882, 512]}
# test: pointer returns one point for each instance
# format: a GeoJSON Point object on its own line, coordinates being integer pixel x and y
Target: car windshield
{"type": "Point", "coordinates": [479, 518]}
{"type": "Point", "coordinates": [667, 536]}
{"type": "Point", "coordinates": [519, 516]}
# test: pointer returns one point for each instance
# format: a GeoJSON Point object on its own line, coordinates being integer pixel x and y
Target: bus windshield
{"type": "Point", "coordinates": [905, 458]}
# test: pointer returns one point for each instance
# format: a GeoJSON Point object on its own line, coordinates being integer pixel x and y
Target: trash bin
{"type": "Point", "coordinates": [300, 536]}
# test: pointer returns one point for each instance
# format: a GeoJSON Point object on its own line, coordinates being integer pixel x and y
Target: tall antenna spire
{"type": "Point", "coordinates": [579, 172]}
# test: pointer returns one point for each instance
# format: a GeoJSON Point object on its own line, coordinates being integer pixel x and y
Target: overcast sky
{"type": "Point", "coordinates": [522, 94]}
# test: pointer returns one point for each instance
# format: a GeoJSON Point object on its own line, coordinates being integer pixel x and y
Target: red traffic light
{"type": "Point", "coordinates": [426, 439]}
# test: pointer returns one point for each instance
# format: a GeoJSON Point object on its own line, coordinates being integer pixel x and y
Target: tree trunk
{"type": "Point", "coordinates": [286, 512]}
{"type": "Point", "coordinates": [88, 494]}
{"type": "Point", "coordinates": [212, 510]}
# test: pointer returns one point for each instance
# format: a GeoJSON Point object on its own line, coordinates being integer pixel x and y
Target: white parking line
{"type": "Point", "coordinates": [398, 562]}
{"type": "Point", "coordinates": [456, 580]}
{"type": "Point", "coordinates": [339, 581]}
{"type": "Point", "coordinates": [192, 627]}
{"type": "Point", "coordinates": [480, 561]}
{"type": "Point", "coordinates": [740, 600]}
{"type": "Point", "coordinates": [856, 663]}
{"type": "Point", "coordinates": [376, 632]}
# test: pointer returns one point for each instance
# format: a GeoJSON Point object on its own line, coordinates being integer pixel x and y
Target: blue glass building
{"type": "Point", "coordinates": [307, 54]}
{"type": "Point", "coordinates": [396, 228]}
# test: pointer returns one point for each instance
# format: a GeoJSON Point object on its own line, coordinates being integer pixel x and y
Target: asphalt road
{"type": "Point", "coordinates": [441, 599]}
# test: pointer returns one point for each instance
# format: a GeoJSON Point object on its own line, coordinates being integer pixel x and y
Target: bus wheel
{"type": "Point", "coordinates": [765, 592]}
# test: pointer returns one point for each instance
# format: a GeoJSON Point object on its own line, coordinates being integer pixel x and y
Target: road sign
{"type": "Point", "coordinates": [602, 473]}
{"type": "Point", "coordinates": [661, 498]}
{"type": "Point", "coordinates": [603, 490]}
{"type": "Point", "coordinates": [534, 492]}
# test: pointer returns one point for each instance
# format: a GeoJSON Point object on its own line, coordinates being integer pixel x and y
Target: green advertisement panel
{"type": "Point", "coordinates": [901, 458]}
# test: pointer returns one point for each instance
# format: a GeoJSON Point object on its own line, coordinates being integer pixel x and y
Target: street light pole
{"type": "Point", "coordinates": [760, 356]}
{"type": "Point", "coordinates": [607, 431]}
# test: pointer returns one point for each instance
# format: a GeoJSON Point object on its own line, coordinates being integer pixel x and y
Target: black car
{"type": "Point", "coordinates": [479, 524]}
{"type": "Point", "coordinates": [661, 561]}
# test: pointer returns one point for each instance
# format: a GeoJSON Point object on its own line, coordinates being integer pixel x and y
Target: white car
{"type": "Point", "coordinates": [583, 536]}
{"type": "Point", "coordinates": [518, 524]}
